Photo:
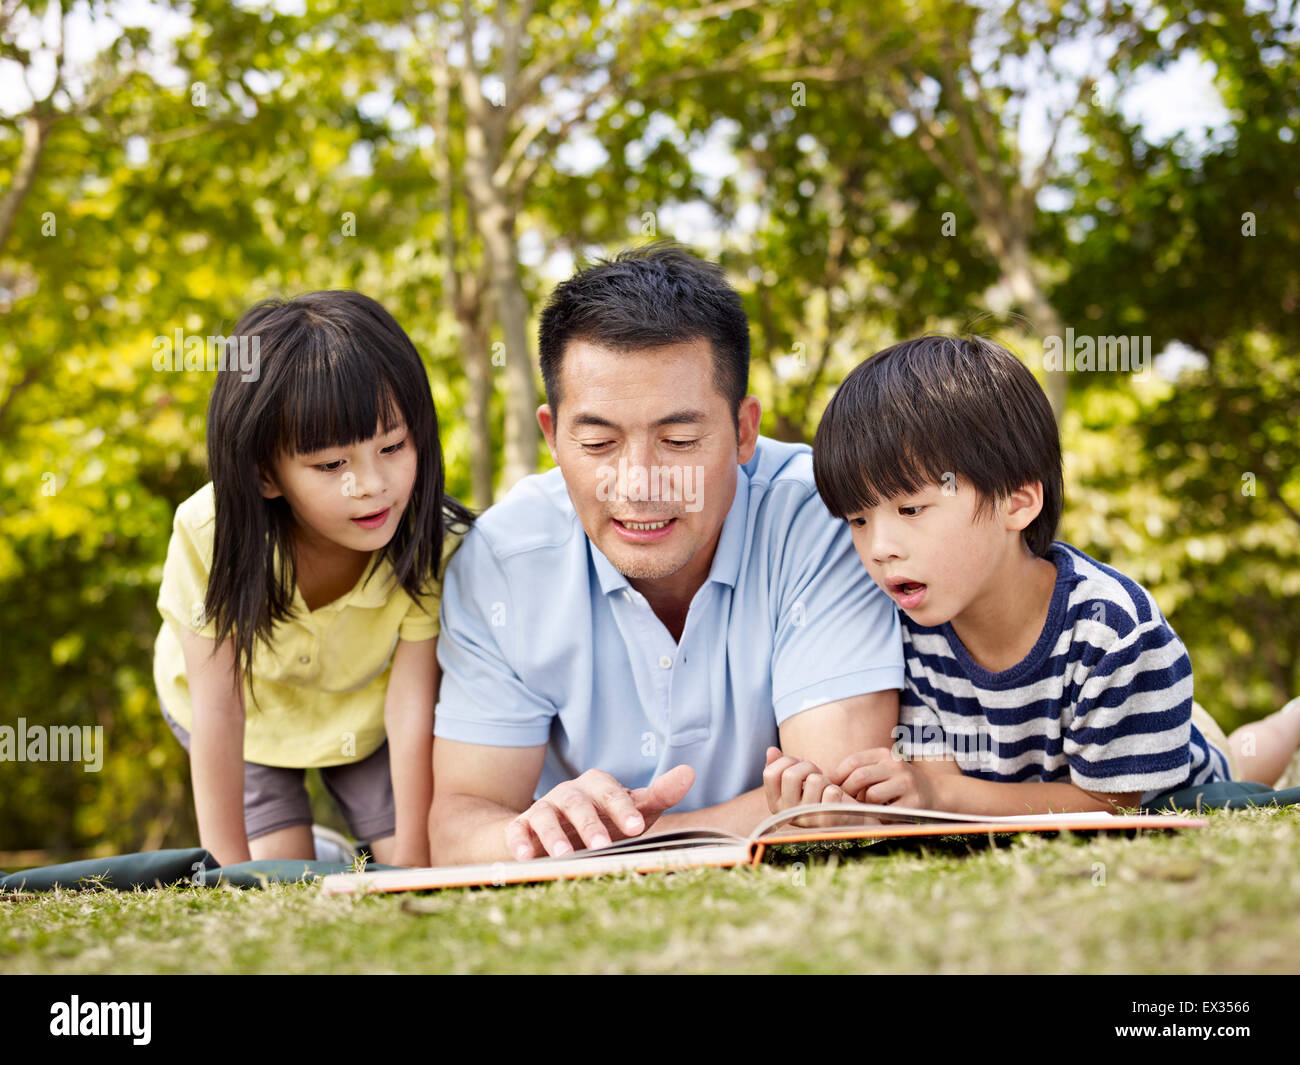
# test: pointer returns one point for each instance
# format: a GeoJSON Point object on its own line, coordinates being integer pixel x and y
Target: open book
{"type": "Point", "coordinates": [692, 848]}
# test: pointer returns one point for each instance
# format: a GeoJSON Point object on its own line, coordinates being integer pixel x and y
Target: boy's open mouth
{"type": "Point", "coordinates": [907, 592]}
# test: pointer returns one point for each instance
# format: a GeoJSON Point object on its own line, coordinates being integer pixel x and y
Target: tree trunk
{"type": "Point", "coordinates": [478, 368]}
{"type": "Point", "coordinates": [35, 131]}
{"type": "Point", "coordinates": [1027, 290]}
{"type": "Point", "coordinates": [496, 223]}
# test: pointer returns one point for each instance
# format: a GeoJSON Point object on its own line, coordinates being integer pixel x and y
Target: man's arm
{"type": "Point", "coordinates": [477, 791]}
{"type": "Point", "coordinates": [483, 809]}
{"type": "Point", "coordinates": [823, 735]}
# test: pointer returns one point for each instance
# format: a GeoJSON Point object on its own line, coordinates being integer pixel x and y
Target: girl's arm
{"type": "Point", "coordinates": [408, 720]}
{"type": "Point", "coordinates": [217, 746]}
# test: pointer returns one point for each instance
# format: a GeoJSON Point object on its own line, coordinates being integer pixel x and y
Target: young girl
{"type": "Point", "coordinates": [300, 592]}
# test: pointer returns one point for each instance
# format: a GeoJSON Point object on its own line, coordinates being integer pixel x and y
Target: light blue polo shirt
{"type": "Point", "coordinates": [545, 642]}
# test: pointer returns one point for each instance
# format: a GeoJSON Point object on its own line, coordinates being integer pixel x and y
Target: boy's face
{"type": "Point", "coordinates": [930, 552]}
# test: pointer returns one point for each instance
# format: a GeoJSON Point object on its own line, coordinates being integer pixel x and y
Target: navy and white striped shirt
{"type": "Point", "coordinates": [1102, 701]}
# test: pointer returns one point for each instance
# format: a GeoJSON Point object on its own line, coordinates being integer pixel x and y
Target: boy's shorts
{"type": "Point", "coordinates": [275, 797]}
{"type": "Point", "coordinates": [1209, 728]}
{"type": "Point", "coordinates": [1201, 718]}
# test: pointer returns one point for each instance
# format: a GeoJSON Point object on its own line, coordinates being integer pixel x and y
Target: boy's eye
{"type": "Point", "coordinates": [858, 523]}
{"type": "Point", "coordinates": [904, 510]}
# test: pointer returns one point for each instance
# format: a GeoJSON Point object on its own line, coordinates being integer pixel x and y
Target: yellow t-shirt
{"type": "Point", "coordinates": [321, 684]}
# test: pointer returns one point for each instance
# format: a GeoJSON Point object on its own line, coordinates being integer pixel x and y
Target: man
{"type": "Point", "coordinates": [631, 631]}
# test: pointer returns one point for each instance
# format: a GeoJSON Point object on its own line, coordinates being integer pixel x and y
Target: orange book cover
{"type": "Point", "coordinates": [696, 848]}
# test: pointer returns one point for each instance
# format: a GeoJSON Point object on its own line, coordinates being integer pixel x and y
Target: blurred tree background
{"type": "Point", "coordinates": [864, 170]}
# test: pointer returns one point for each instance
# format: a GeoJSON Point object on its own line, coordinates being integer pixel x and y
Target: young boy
{"type": "Point", "coordinates": [1037, 678]}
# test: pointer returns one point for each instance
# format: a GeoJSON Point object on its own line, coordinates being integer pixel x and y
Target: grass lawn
{"type": "Point", "coordinates": [1224, 899]}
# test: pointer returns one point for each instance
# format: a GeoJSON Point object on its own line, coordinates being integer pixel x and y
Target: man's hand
{"type": "Point", "coordinates": [880, 776]}
{"type": "Point", "coordinates": [593, 810]}
{"type": "Point", "coordinates": [791, 782]}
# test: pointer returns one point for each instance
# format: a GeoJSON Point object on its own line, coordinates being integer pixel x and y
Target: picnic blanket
{"type": "Point", "coordinates": [147, 869]}
{"type": "Point", "coordinates": [1223, 795]}
{"type": "Point", "coordinates": [125, 872]}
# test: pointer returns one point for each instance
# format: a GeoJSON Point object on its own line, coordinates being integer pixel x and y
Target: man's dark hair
{"type": "Point", "coordinates": [644, 298]}
{"type": "Point", "coordinates": [962, 406]}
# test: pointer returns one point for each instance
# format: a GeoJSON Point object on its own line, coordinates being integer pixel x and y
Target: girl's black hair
{"type": "Point", "coordinates": [326, 367]}
{"type": "Point", "coordinates": [960, 406]}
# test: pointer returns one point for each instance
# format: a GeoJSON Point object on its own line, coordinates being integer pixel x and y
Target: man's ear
{"type": "Point", "coordinates": [749, 415]}
{"type": "Point", "coordinates": [1023, 506]}
{"type": "Point", "coordinates": [546, 419]}
{"type": "Point", "coordinates": [267, 485]}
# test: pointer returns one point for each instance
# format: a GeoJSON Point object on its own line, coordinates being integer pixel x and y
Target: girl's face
{"type": "Point", "coordinates": [330, 491]}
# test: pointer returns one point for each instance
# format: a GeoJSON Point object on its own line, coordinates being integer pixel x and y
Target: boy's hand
{"type": "Point", "coordinates": [879, 776]}
{"type": "Point", "coordinates": [791, 782]}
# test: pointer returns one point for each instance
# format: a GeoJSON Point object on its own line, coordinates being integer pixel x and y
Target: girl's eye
{"type": "Point", "coordinates": [330, 467]}
{"type": "Point", "coordinates": [393, 449]}
{"type": "Point", "coordinates": [903, 511]}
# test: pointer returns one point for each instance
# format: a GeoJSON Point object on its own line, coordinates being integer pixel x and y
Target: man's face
{"type": "Point", "coordinates": [930, 553]}
{"type": "Point", "coordinates": [329, 490]}
{"type": "Point", "coordinates": [649, 453]}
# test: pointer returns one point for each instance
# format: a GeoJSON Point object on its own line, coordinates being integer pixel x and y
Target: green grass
{"type": "Point", "coordinates": [1222, 899]}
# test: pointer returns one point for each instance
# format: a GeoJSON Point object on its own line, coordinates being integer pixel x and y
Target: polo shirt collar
{"type": "Point", "coordinates": [375, 592]}
{"type": "Point", "coordinates": [726, 559]}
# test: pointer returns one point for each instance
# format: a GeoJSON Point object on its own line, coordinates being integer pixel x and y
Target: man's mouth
{"type": "Point", "coordinates": [644, 531]}
{"type": "Point", "coordinates": [644, 525]}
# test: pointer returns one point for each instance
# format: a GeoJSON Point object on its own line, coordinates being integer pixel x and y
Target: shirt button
{"type": "Point", "coordinates": [665, 662]}
{"type": "Point", "coordinates": [303, 659]}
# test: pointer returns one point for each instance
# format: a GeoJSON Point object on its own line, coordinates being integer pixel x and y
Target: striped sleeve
{"type": "Point", "coordinates": [1132, 721]}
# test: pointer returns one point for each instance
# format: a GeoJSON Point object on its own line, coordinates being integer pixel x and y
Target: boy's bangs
{"type": "Point", "coordinates": [335, 402]}
{"type": "Point", "coordinates": [872, 454]}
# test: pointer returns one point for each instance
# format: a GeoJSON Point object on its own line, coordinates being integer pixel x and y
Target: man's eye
{"type": "Point", "coordinates": [596, 447]}
{"type": "Point", "coordinates": [681, 443]}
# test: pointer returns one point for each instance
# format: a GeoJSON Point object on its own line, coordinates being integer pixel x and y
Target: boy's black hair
{"type": "Point", "coordinates": [962, 406]}
{"type": "Point", "coordinates": [648, 297]}
{"type": "Point", "coordinates": [331, 365]}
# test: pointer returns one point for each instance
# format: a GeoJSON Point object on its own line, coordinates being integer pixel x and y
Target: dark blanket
{"type": "Point", "coordinates": [1223, 795]}
{"type": "Point", "coordinates": [149, 869]}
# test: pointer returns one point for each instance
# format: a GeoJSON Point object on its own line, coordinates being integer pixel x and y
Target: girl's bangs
{"type": "Point", "coordinates": [334, 402]}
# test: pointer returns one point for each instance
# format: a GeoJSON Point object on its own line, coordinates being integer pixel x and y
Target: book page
{"type": "Point", "coordinates": [831, 815]}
